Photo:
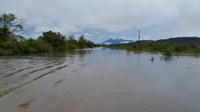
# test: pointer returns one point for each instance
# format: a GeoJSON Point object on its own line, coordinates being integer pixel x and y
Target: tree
{"type": "Point", "coordinates": [71, 42]}
{"type": "Point", "coordinates": [55, 39]}
{"type": "Point", "coordinates": [82, 42]}
{"type": "Point", "coordinates": [9, 24]}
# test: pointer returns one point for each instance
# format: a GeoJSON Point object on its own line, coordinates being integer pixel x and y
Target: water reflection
{"type": "Point", "coordinates": [128, 52]}
{"type": "Point", "coordinates": [166, 58]}
{"type": "Point", "coordinates": [82, 53]}
{"type": "Point", "coordinates": [138, 58]}
{"type": "Point", "coordinates": [152, 59]}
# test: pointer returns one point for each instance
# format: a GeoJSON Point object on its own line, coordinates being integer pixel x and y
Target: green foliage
{"type": "Point", "coordinates": [71, 43]}
{"type": "Point", "coordinates": [43, 47]}
{"type": "Point", "coordinates": [10, 24]}
{"type": "Point", "coordinates": [163, 47]}
{"type": "Point", "coordinates": [28, 46]}
{"type": "Point", "coordinates": [12, 44]}
{"type": "Point", "coordinates": [82, 42]}
{"type": "Point", "coordinates": [4, 34]}
{"type": "Point", "coordinates": [55, 39]}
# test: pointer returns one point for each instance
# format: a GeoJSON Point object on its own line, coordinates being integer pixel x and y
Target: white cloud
{"type": "Point", "coordinates": [147, 37]}
{"type": "Point", "coordinates": [67, 16]}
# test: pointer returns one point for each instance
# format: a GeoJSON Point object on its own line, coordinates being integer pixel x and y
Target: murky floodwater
{"type": "Point", "coordinates": [100, 80]}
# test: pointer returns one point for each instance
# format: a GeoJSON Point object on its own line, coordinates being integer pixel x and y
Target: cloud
{"type": "Point", "coordinates": [175, 17]}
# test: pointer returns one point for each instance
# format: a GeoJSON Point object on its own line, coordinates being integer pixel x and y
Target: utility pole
{"type": "Point", "coordinates": [139, 31]}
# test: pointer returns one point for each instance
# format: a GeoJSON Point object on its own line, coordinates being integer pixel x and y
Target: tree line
{"type": "Point", "coordinates": [12, 43]}
{"type": "Point", "coordinates": [188, 45]}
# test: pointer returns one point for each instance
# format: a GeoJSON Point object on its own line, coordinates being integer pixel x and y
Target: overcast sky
{"type": "Point", "coordinates": [98, 20]}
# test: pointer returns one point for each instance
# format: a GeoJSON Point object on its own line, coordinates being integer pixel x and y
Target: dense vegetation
{"type": "Point", "coordinates": [12, 44]}
{"type": "Point", "coordinates": [166, 46]}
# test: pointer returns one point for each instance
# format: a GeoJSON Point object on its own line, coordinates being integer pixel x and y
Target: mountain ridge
{"type": "Point", "coordinates": [111, 41]}
{"type": "Point", "coordinates": [174, 40]}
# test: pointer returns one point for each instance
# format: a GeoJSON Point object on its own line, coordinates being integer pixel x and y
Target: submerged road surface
{"type": "Point", "coordinates": [100, 80]}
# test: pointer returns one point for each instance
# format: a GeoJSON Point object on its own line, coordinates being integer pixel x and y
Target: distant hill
{"type": "Point", "coordinates": [181, 40]}
{"type": "Point", "coordinates": [116, 41]}
{"type": "Point", "coordinates": [175, 40]}
{"type": "Point", "coordinates": [189, 45]}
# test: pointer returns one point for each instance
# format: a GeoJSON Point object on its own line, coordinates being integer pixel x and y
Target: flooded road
{"type": "Point", "coordinates": [100, 80]}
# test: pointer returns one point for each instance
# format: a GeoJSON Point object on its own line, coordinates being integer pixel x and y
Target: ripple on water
{"type": "Point", "coordinates": [37, 70]}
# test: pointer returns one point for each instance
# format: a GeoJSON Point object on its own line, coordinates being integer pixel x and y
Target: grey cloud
{"type": "Point", "coordinates": [67, 16]}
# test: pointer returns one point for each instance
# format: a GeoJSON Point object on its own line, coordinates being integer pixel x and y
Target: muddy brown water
{"type": "Point", "coordinates": [100, 80]}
